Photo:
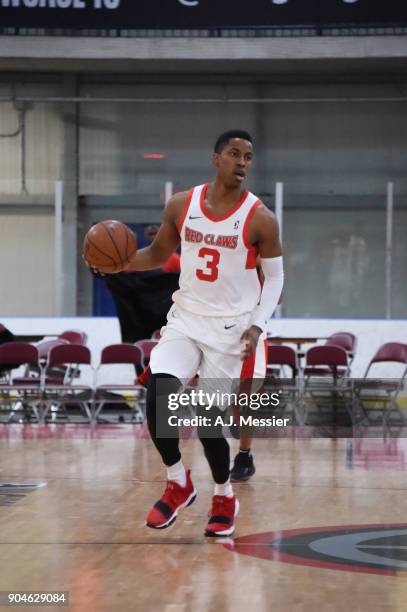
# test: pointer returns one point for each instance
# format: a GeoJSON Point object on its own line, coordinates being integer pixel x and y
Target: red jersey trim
{"type": "Point", "coordinates": [246, 374]}
{"type": "Point", "coordinates": [185, 212]}
{"type": "Point", "coordinates": [209, 215]}
{"type": "Point", "coordinates": [252, 249]}
{"type": "Point", "coordinates": [246, 224]}
{"type": "Point", "coordinates": [247, 370]}
{"type": "Point", "coordinates": [246, 378]}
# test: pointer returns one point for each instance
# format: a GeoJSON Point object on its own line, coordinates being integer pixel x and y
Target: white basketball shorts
{"type": "Point", "coordinates": [210, 346]}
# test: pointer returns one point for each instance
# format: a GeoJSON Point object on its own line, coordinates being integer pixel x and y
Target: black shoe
{"type": "Point", "coordinates": [243, 468]}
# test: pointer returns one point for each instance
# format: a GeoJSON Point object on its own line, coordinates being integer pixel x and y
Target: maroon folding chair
{"type": "Point", "coordinates": [325, 385]}
{"type": "Point", "coordinates": [146, 346]}
{"type": "Point", "coordinates": [64, 393]}
{"type": "Point", "coordinates": [74, 336]}
{"type": "Point", "coordinates": [57, 374]}
{"type": "Point", "coordinates": [71, 356]}
{"type": "Point", "coordinates": [124, 353]}
{"type": "Point", "coordinates": [395, 352]}
{"type": "Point", "coordinates": [156, 335]}
{"type": "Point", "coordinates": [327, 360]}
{"type": "Point", "coordinates": [287, 386]}
{"type": "Point", "coordinates": [346, 340]}
{"type": "Point", "coordinates": [281, 355]}
{"type": "Point", "coordinates": [16, 354]}
{"type": "Point", "coordinates": [44, 348]}
{"type": "Point", "coordinates": [134, 394]}
{"type": "Point", "coordinates": [22, 393]}
{"type": "Point", "coordinates": [379, 393]}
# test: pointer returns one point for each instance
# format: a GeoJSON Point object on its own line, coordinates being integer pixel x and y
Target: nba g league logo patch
{"type": "Point", "coordinates": [374, 549]}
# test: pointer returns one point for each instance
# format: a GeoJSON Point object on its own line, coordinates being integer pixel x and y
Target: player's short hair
{"type": "Point", "coordinates": [224, 138]}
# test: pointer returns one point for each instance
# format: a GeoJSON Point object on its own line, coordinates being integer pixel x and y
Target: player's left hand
{"type": "Point", "coordinates": [250, 338]}
{"type": "Point", "coordinates": [94, 270]}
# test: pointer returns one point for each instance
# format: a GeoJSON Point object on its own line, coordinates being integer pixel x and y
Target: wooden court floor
{"type": "Point", "coordinates": [84, 531]}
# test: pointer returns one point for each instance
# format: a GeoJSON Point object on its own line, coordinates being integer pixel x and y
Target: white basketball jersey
{"type": "Point", "coordinates": [218, 264]}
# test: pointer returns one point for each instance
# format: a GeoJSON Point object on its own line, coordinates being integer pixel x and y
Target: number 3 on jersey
{"type": "Point", "coordinates": [210, 273]}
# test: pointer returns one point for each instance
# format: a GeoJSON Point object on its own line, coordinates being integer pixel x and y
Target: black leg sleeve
{"type": "Point", "coordinates": [216, 448]}
{"type": "Point", "coordinates": [164, 436]}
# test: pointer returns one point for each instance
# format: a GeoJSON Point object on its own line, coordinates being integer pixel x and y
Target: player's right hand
{"type": "Point", "coordinates": [249, 339]}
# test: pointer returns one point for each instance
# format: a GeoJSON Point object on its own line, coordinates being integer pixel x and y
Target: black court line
{"type": "Point", "coordinates": [270, 483]}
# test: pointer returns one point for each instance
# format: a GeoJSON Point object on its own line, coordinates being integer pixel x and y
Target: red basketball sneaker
{"type": "Point", "coordinates": [222, 516]}
{"type": "Point", "coordinates": [165, 510]}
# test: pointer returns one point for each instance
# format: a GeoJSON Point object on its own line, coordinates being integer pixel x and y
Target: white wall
{"type": "Point", "coordinates": [43, 150]}
{"type": "Point", "coordinates": [26, 264]}
{"type": "Point", "coordinates": [10, 150]}
{"type": "Point", "coordinates": [44, 134]}
{"type": "Point", "coordinates": [103, 331]}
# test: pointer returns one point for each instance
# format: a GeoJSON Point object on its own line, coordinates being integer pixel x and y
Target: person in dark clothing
{"type": "Point", "coordinates": [143, 299]}
{"type": "Point", "coordinates": [5, 336]}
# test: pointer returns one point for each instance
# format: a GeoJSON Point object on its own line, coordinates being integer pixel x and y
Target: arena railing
{"type": "Point", "coordinates": [232, 32]}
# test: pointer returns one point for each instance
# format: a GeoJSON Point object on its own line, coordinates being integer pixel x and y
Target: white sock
{"type": "Point", "coordinates": [177, 473]}
{"type": "Point", "coordinates": [224, 489]}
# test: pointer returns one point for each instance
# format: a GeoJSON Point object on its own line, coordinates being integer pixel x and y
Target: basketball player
{"type": "Point", "coordinates": [217, 322]}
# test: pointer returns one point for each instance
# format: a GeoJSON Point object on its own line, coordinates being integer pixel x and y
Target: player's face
{"type": "Point", "coordinates": [234, 162]}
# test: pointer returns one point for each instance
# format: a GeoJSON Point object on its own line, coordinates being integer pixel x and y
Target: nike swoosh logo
{"type": "Point", "coordinates": [195, 217]}
{"type": "Point", "coordinates": [230, 326]}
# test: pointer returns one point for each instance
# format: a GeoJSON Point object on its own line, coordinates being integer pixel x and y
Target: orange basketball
{"type": "Point", "coordinates": [108, 246]}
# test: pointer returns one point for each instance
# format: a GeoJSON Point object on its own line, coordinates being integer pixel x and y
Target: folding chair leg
{"type": "Point", "coordinates": [394, 408]}
{"type": "Point", "coordinates": [137, 415]}
{"type": "Point", "coordinates": [35, 411]}
{"type": "Point", "coordinates": [302, 411]}
{"type": "Point", "coordinates": [45, 412]}
{"type": "Point", "coordinates": [16, 407]}
{"type": "Point", "coordinates": [98, 410]}
{"type": "Point", "coordinates": [87, 411]}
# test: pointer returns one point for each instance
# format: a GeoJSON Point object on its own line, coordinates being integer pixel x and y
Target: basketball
{"type": "Point", "coordinates": [108, 246]}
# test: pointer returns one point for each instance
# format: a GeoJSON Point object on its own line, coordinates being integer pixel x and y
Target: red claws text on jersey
{"type": "Point", "coordinates": [227, 242]}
